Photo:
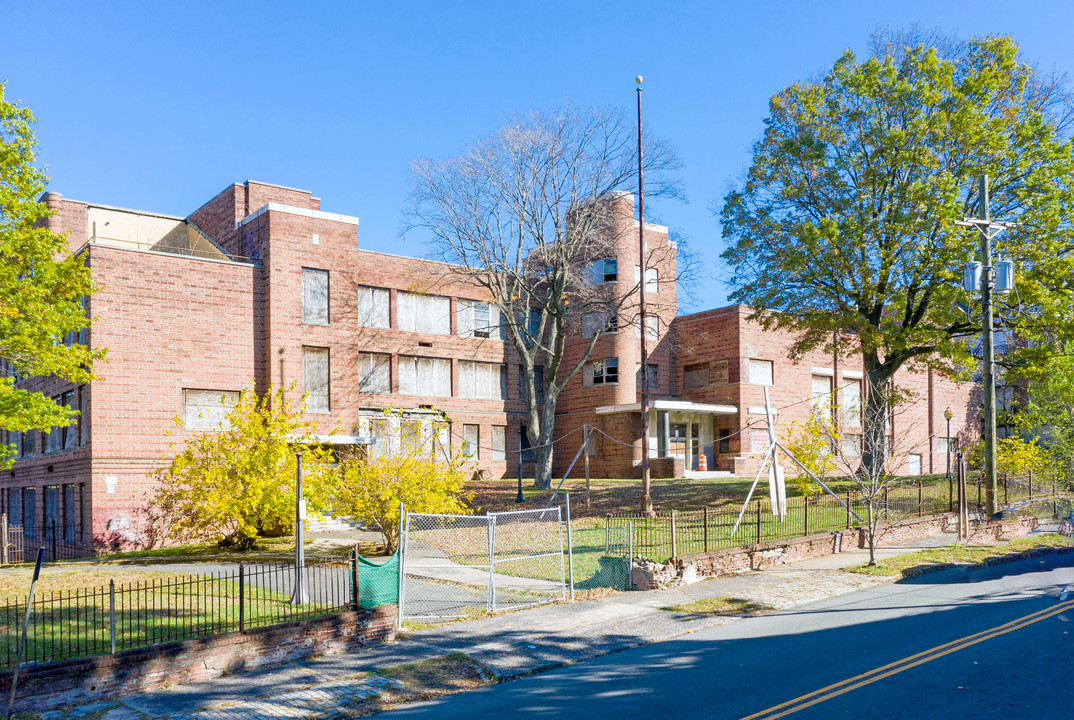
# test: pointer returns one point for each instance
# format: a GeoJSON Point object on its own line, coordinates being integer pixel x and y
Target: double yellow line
{"type": "Point", "coordinates": [827, 693]}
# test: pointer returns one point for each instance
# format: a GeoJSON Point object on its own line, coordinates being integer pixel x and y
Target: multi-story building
{"type": "Point", "coordinates": [259, 287]}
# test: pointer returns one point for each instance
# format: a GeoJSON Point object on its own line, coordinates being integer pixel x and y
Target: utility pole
{"type": "Point", "coordinates": [646, 498]}
{"type": "Point", "coordinates": [989, 230]}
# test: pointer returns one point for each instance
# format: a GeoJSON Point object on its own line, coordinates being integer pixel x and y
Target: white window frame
{"type": "Point", "coordinates": [602, 372]}
{"type": "Point", "coordinates": [470, 322]}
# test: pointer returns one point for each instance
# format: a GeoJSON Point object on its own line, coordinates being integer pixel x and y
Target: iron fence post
{"type": "Point", "coordinates": [1005, 501]}
{"type": "Point", "coordinates": [706, 528]}
{"type": "Point", "coordinates": [805, 515]}
{"type": "Point", "coordinates": [758, 504]}
{"type": "Point", "coordinates": [570, 546]}
{"type": "Point", "coordinates": [849, 523]}
{"type": "Point", "coordinates": [674, 544]}
{"type": "Point", "coordinates": [492, 563]}
{"type": "Point", "coordinates": [354, 578]}
{"type": "Point", "coordinates": [630, 560]}
{"type": "Point", "coordinates": [112, 614]}
{"type": "Point", "coordinates": [950, 494]}
{"type": "Point", "coordinates": [920, 499]}
{"type": "Point", "coordinates": [242, 598]}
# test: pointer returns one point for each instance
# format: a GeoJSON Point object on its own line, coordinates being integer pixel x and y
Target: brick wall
{"type": "Point", "coordinates": [175, 663]}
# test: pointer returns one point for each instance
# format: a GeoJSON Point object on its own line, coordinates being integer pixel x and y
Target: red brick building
{"type": "Point", "coordinates": [261, 287]}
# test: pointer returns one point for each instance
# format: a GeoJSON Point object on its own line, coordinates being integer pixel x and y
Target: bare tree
{"type": "Point", "coordinates": [869, 460]}
{"type": "Point", "coordinates": [524, 214]}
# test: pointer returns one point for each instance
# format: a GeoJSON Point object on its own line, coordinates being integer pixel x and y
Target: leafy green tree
{"type": "Point", "coordinates": [843, 230]}
{"type": "Point", "coordinates": [1046, 413]}
{"type": "Point", "coordinates": [373, 487]}
{"type": "Point", "coordinates": [237, 483]}
{"type": "Point", "coordinates": [42, 285]}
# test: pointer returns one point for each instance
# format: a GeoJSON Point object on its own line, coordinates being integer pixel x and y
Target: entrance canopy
{"type": "Point", "coordinates": [676, 406]}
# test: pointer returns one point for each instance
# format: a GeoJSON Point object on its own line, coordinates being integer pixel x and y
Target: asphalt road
{"type": "Point", "coordinates": [997, 642]}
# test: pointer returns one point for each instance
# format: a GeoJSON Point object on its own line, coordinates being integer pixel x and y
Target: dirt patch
{"type": "Point", "coordinates": [424, 680]}
{"type": "Point", "coordinates": [723, 605]}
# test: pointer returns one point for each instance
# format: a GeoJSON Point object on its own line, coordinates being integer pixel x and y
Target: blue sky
{"type": "Point", "coordinates": [159, 105]}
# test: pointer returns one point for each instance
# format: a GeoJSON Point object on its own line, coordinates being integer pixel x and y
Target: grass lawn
{"type": "Point", "coordinates": [616, 495]}
{"type": "Point", "coordinates": [71, 610]}
{"type": "Point", "coordinates": [924, 560]}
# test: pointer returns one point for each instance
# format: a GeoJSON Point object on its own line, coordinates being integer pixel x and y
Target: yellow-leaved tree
{"type": "Point", "coordinates": [235, 483]}
{"type": "Point", "coordinates": [413, 470]}
{"type": "Point", "coordinates": [811, 444]}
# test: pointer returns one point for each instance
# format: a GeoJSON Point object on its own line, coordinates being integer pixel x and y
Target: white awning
{"type": "Point", "coordinates": [682, 406]}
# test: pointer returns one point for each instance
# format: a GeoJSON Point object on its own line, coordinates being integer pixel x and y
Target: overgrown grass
{"type": "Point", "coordinates": [935, 558]}
{"type": "Point", "coordinates": [723, 605]}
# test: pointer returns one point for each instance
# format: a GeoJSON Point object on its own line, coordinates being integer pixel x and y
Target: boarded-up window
{"type": "Point", "coordinates": [29, 512]}
{"type": "Point", "coordinates": [851, 403]}
{"type": "Point", "coordinates": [373, 304]}
{"type": "Point", "coordinates": [487, 381]}
{"type": "Point", "coordinates": [913, 464]}
{"type": "Point", "coordinates": [207, 409]}
{"type": "Point", "coordinates": [821, 397]}
{"type": "Point", "coordinates": [851, 446]}
{"type": "Point", "coordinates": [314, 296]}
{"type": "Point", "coordinates": [695, 376]}
{"type": "Point", "coordinates": [315, 382]}
{"type": "Point", "coordinates": [374, 373]}
{"type": "Point", "coordinates": [592, 324]}
{"type": "Point", "coordinates": [718, 373]}
{"type": "Point", "coordinates": [651, 284]}
{"type": "Point", "coordinates": [471, 435]}
{"type": "Point", "coordinates": [70, 433]}
{"type": "Point", "coordinates": [424, 376]}
{"type": "Point", "coordinates": [14, 505]}
{"type": "Point", "coordinates": [652, 322]}
{"type": "Point", "coordinates": [499, 442]}
{"type": "Point", "coordinates": [69, 513]}
{"type": "Point", "coordinates": [429, 314]}
{"type": "Point", "coordinates": [760, 372]}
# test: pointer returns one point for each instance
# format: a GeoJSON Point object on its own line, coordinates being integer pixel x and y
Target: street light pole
{"type": "Point", "coordinates": [646, 499]}
{"type": "Point", "coordinates": [947, 414]}
{"type": "Point", "coordinates": [299, 596]}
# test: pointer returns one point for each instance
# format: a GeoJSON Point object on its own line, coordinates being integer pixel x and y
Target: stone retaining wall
{"type": "Point", "coordinates": [779, 552]}
{"type": "Point", "coordinates": [187, 661]}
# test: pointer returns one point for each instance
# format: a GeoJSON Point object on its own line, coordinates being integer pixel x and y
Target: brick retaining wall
{"type": "Point", "coordinates": [187, 661]}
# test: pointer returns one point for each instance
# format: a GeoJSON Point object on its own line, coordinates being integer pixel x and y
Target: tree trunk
{"type": "Point", "coordinates": [871, 529]}
{"type": "Point", "coordinates": [541, 436]}
{"type": "Point", "coordinates": [875, 451]}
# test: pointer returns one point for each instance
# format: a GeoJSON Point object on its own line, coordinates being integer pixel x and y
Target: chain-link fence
{"type": "Point", "coordinates": [464, 565]}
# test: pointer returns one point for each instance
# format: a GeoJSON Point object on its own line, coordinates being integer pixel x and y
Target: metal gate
{"type": "Point", "coordinates": [465, 565]}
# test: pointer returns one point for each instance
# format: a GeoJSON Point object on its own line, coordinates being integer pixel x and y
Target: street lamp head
{"type": "Point", "coordinates": [948, 414]}
{"type": "Point", "coordinates": [638, 79]}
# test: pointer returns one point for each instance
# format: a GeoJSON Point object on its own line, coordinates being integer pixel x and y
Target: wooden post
{"type": "Point", "coordinates": [706, 528]}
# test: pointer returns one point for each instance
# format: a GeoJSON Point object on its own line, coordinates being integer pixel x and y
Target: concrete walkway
{"type": "Point", "coordinates": [510, 645]}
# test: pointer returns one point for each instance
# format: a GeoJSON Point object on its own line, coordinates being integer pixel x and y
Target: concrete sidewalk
{"type": "Point", "coordinates": [509, 645]}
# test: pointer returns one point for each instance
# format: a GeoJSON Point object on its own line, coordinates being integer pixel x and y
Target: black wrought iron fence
{"type": "Point", "coordinates": [81, 622]}
{"type": "Point", "coordinates": [673, 534]}
{"type": "Point", "coordinates": [17, 546]}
